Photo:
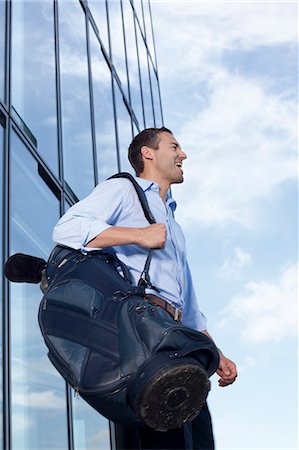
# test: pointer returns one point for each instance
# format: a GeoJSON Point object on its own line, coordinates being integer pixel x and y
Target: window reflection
{"type": "Point", "coordinates": [91, 430]}
{"type": "Point", "coordinates": [134, 79]}
{"type": "Point", "coordinates": [38, 391]}
{"type": "Point", "coordinates": [147, 99]}
{"type": "Point", "coordinates": [104, 117]}
{"type": "Point", "coordinates": [33, 73]}
{"type": "Point", "coordinates": [67, 206]}
{"type": "Point", "coordinates": [135, 130]}
{"type": "Point", "coordinates": [2, 48]}
{"type": "Point", "coordinates": [124, 131]}
{"type": "Point", "coordinates": [1, 275]}
{"type": "Point", "coordinates": [138, 9]}
{"type": "Point", "coordinates": [77, 143]}
{"type": "Point", "coordinates": [98, 10]}
{"type": "Point", "coordinates": [117, 43]}
{"type": "Point", "coordinates": [156, 98]}
{"type": "Point", "coordinates": [148, 28]}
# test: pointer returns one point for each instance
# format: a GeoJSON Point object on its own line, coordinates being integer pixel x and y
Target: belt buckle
{"type": "Point", "coordinates": [176, 314]}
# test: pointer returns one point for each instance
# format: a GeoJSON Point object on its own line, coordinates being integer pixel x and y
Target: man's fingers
{"type": "Point", "coordinates": [153, 236]}
{"type": "Point", "coordinates": [227, 371]}
{"type": "Point", "coordinates": [224, 370]}
{"type": "Point", "coordinates": [223, 383]}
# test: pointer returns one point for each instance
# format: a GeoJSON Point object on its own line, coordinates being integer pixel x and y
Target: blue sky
{"type": "Point", "coordinates": [228, 75]}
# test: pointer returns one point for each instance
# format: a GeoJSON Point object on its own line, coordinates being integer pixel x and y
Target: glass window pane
{"type": "Point", "coordinates": [138, 10]}
{"type": "Point", "coordinates": [135, 130]}
{"type": "Point", "coordinates": [104, 116]}
{"type": "Point", "coordinates": [91, 430]}
{"type": "Point", "coordinates": [98, 10]}
{"type": "Point", "coordinates": [147, 100]}
{"type": "Point", "coordinates": [117, 43]}
{"type": "Point", "coordinates": [156, 98]}
{"type": "Point", "coordinates": [76, 124]}
{"type": "Point", "coordinates": [148, 29]}
{"type": "Point", "coordinates": [133, 63]}
{"type": "Point", "coordinates": [33, 74]}
{"type": "Point", "coordinates": [38, 391]}
{"type": "Point", "coordinates": [124, 131]}
{"type": "Point", "coordinates": [1, 274]}
{"type": "Point", "coordinates": [2, 48]}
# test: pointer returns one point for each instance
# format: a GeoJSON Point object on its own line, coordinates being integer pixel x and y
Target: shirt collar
{"type": "Point", "coordinates": [148, 185]}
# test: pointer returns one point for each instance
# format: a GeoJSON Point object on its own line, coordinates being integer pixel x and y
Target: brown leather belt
{"type": "Point", "coordinates": [175, 313]}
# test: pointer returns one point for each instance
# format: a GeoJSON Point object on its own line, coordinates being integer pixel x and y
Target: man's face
{"type": "Point", "coordinates": [168, 159]}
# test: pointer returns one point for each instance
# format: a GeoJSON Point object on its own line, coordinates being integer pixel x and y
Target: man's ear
{"type": "Point", "coordinates": [147, 152]}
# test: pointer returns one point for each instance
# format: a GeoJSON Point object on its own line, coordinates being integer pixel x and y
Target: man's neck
{"type": "Point", "coordinates": [164, 186]}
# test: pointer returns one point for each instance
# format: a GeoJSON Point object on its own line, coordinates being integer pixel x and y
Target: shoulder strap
{"type": "Point", "coordinates": [141, 195]}
{"type": "Point", "coordinates": [144, 280]}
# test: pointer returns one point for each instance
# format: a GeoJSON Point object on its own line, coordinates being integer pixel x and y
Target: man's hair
{"type": "Point", "coordinates": [148, 137]}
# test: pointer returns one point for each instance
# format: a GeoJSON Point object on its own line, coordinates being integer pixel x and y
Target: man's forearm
{"type": "Point", "coordinates": [153, 236]}
{"type": "Point", "coordinates": [116, 236]}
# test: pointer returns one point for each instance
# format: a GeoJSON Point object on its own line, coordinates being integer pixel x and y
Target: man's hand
{"type": "Point", "coordinates": [227, 371]}
{"type": "Point", "coordinates": [153, 236]}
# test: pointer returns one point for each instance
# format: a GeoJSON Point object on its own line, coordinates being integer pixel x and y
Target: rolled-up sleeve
{"type": "Point", "coordinates": [92, 215]}
{"type": "Point", "coordinates": [192, 316]}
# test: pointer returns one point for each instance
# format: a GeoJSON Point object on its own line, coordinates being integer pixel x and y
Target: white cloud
{"type": "Point", "coordinates": [22, 423]}
{"type": "Point", "coordinates": [201, 31]}
{"type": "Point", "coordinates": [240, 134]}
{"type": "Point", "coordinates": [241, 148]}
{"type": "Point", "coordinates": [266, 311]}
{"type": "Point", "coordinates": [234, 264]}
{"type": "Point", "coordinates": [100, 439]}
{"type": "Point", "coordinates": [47, 400]}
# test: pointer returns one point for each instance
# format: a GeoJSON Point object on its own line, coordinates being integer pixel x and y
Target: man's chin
{"type": "Point", "coordinates": [178, 180]}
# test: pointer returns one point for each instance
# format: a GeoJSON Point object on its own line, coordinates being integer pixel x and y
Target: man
{"type": "Point", "coordinates": [111, 216]}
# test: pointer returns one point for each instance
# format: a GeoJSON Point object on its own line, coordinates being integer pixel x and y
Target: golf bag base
{"type": "Point", "coordinates": [174, 395]}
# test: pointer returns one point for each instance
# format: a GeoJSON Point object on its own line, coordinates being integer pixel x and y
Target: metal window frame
{"type": "Point", "coordinates": [58, 99]}
{"type": "Point", "coordinates": [148, 57]}
{"type": "Point", "coordinates": [155, 66]}
{"type": "Point", "coordinates": [91, 99]}
{"type": "Point", "coordinates": [127, 64]}
{"type": "Point", "coordinates": [138, 64]}
{"type": "Point", "coordinates": [6, 367]}
{"type": "Point", "coordinates": [113, 76]}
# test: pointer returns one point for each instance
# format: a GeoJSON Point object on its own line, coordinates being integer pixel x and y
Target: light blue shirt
{"type": "Point", "coordinates": [115, 203]}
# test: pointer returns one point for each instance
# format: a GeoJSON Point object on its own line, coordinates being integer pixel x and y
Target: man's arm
{"type": "Point", "coordinates": [93, 221]}
{"type": "Point", "coordinates": [153, 236]}
{"type": "Point", "coordinates": [227, 369]}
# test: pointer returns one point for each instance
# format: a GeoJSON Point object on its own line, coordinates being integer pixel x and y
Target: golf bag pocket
{"type": "Point", "coordinates": [75, 295]}
{"type": "Point", "coordinates": [75, 338]}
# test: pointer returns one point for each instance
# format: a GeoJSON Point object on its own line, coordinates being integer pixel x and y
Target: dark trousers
{"type": "Point", "coordinates": [196, 435]}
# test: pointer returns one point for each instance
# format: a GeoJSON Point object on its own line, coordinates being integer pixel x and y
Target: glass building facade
{"type": "Point", "coordinates": [78, 79]}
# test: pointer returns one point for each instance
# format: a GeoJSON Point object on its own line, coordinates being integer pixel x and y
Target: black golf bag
{"type": "Point", "coordinates": [126, 357]}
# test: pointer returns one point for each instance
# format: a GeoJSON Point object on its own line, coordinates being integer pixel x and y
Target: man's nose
{"type": "Point", "coordinates": [182, 154]}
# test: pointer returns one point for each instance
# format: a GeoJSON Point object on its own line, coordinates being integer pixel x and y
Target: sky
{"type": "Point", "coordinates": [228, 76]}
